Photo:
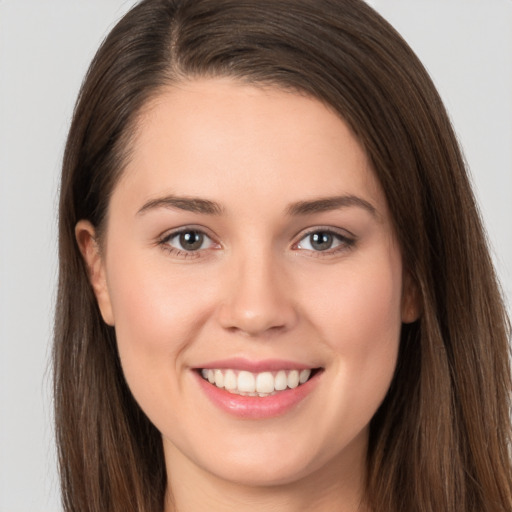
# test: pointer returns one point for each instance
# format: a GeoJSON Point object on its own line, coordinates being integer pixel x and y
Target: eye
{"type": "Point", "coordinates": [187, 241]}
{"type": "Point", "coordinates": [324, 240]}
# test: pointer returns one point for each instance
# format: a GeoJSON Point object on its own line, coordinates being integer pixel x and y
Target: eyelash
{"type": "Point", "coordinates": [345, 242]}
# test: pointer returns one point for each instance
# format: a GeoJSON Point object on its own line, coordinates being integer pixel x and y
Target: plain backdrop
{"type": "Point", "coordinates": [45, 48]}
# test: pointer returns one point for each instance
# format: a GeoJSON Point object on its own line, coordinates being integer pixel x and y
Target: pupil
{"type": "Point", "coordinates": [191, 240]}
{"type": "Point", "coordinates": [321, 241]}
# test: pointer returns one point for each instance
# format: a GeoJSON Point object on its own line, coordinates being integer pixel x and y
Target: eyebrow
{"type": "Point", "coordinates": [189, 204]}
{"type": "Point", "coordinates": [207, 207]}
{"type": "Point", "coordinates": [325, 204]}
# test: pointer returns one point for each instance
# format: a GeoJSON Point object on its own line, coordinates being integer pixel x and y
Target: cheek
{"type": "Point", "coordinates": [359, 317]}
{"type": "Point", "coordinates": [156, 314]}
{"type": "Point", "coordinates": [361, 302]}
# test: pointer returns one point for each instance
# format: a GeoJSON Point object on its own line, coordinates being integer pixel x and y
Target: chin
{"type": "Point", "coordinates": [271, 473]}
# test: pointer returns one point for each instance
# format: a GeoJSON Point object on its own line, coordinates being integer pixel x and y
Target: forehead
{"type": "Point", "coordinates": [215, 137]}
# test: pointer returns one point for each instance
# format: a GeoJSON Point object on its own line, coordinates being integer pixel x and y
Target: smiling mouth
{"type": "Point", "coordinates": [263, 384]}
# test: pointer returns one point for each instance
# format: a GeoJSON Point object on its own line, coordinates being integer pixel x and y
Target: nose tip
{"type": "Point", "coordinates": [250, 321]}
{"type": "Point", "coordinates": [258, 302]}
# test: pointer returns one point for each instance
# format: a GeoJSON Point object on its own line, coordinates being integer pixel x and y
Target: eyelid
{"type": "Point", "coordinates": [325, 228]}
{"type": "Point", "coordinates": [169, 233]}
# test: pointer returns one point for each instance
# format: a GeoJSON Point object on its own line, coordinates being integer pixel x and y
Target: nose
{"type": "Point", "coordinates": [257, 297]}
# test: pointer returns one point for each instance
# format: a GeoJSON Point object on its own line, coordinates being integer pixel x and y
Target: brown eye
{"type": "Point", "coordinates": [191, 240]}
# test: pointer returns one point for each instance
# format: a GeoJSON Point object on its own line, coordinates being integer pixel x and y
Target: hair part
{"type": "Point", "coordinates": [441, 439]}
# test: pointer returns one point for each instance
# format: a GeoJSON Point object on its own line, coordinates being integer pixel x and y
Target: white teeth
{"type": "Point", "coordinates": [304, 376]}
{"type": "Point", "coordinates": [265, 382]}
{"type": "Point", "coordinates": [281, 381]}
{"type": "Point", "coordinates": [293, 379]}
{"type": "Point", "coordinates": [256, 384]}
{"type": "Point", "coordinates": [246, 382]}
{"type": "Point", "coordinates": [219, 379]}
{"type": "Point", "coordinates": [230, 380]}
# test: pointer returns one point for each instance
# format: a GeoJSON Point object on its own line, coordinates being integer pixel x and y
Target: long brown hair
{"type": "Point", "coordinates": [441, 439]}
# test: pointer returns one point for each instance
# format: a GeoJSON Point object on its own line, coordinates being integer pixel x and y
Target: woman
{"type": "Point", "coordinates": [274, 290]}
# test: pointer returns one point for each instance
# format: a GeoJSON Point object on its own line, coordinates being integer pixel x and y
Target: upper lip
{"type": "Point", "coordinates": [239, 363]}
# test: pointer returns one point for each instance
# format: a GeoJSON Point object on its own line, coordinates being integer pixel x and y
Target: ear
{"type": "Point", "coordinates": [85, 235]}
{"type": "Point", "coordinates": [411, 300]}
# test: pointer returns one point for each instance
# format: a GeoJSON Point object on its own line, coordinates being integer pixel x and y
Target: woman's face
{"type": "Point", "coordinates": [249, 246]}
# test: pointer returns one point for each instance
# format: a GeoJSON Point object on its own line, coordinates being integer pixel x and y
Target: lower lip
{"type": "Point", "coordinates": [253, 407]}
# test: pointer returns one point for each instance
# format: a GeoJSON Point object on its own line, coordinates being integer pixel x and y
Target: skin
{"type": "Point", "coordinates": [257, 288]}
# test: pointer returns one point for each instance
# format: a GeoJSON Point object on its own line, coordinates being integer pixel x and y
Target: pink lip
{"type": "Point", "coordinates": [253, 407]}
{"type": "Point", "coordinates": [268, 365]}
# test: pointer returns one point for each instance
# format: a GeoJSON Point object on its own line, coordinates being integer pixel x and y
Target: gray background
{"type": "Point", "coordinates": [45, 47]}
